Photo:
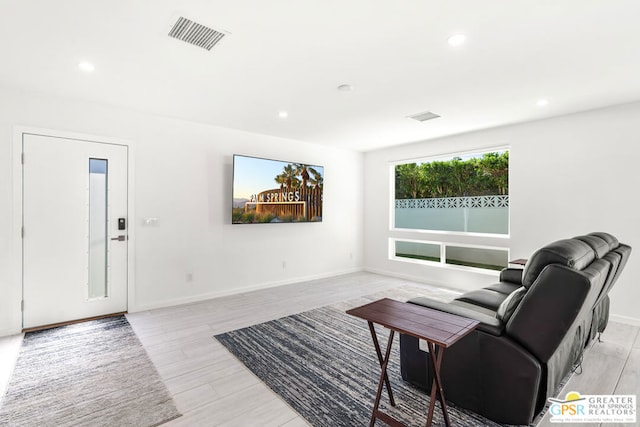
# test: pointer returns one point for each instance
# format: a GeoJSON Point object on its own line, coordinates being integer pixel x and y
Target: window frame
{"type": "Point", "coordinates": [443, 254]}
{"type": "Point", "coordinates": [444, 238]}
{"type": "Point", "coordinates": [441, 157]}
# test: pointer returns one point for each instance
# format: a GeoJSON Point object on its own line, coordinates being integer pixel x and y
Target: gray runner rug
{"type": "Point", "coordinates": [323, 364]}
{"type": "Point", "coordinates": [88, 374]}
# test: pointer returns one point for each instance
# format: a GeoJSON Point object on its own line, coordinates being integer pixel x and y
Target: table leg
{"type": "Point", "coordinates": [374, 336]}
{"type": "Point", "coordinates": [435, 355]}
{"type": "Point", "coordinates": [384, 379]}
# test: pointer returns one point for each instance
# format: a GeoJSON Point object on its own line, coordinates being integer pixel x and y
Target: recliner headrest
{"type": "Point", "coordinates": [611, 240]}
{"type": "Point", "coordinates": [572, 253]}
{"type": "Point", "coordinates": [600, 246]}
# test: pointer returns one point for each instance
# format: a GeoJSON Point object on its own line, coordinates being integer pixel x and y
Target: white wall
{"type": "Point", "coordinates": [569, 175]}
{"type": "Point", "coordinates": [182, 177]}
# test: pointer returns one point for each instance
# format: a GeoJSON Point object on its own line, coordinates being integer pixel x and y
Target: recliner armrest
{"type": "Point", "coordinates": [512, 275]}
{"type": "Point", "coordinates": [489, 324]}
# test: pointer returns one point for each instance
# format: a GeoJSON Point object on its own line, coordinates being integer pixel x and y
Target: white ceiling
{"type": "Point", "coordinates": [292, 54]}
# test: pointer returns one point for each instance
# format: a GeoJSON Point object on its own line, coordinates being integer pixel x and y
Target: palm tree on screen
{"type": "Point", "coordinates": [317, 180]}
{"type": "Point", "coordinates": [289, 177]}
{"type": "Point", "coordinates": [303, 171]}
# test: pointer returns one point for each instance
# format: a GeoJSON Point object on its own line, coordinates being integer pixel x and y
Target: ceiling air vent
{"type": "Point", "coordinates": [423, 117]}
{"type": "Point", "coordinates": [196, 34]}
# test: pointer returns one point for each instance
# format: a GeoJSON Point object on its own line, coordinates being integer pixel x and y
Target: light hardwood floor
{"type": "Point", "coordinates": [9, 349]}
{"type": "Point", "coordinates": [209, 385]}
{"type": "Point", "coordinates": [212, 388]}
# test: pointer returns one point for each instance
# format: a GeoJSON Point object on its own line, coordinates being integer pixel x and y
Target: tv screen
{"type": "Point", "coordinates": [275, 191]}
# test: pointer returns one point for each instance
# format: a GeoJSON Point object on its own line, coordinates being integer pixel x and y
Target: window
{"type": "Point", "coordinates": [98, 250]}
{"type": "Point", "coordinates": [488, 258]}
{"type": "Point", "coordinates": [417, 250]}
{"type": "Point", "coordinates": [466, 194]}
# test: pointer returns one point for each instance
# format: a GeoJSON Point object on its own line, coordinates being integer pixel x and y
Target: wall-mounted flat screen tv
{"type": "Point", "coordinates": [275, 191]}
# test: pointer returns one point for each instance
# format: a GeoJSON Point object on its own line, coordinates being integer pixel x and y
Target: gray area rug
{"type": "Point", "coordinates": [89, 374]}
{"type": "Point", "coordinates": [323, 364]}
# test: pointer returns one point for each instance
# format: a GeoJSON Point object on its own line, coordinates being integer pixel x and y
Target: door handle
{"type": "Point", "coordinates": [120, 238]}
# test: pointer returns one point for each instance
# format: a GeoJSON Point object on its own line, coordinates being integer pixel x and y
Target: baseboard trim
{"type": "Point", "coordinates": [633, 321]}
{"type": "Point", "coordinates": [10, 332]}
{"type": "Point", "coordinates": [418, 279]}
{"type": "Point", "coordinates": [251, 288]}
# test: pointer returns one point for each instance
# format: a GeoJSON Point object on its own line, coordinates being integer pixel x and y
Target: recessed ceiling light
{"type": "Point", "coordinates": [345, 88]}
{"type": "Point", "coordinates": [457, 40]}
{"type": "Point", "coordinates": [542, 102]}
{"type": "Point", "coordinates": [86, 66]}
{"type": "Point", "coordinates": [283, 114]}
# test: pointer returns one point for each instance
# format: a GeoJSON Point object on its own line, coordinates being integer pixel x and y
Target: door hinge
{"type": "Point", "coordinates": [22, 158]}
{"type": "Point", "coordinates": [22, 305]}
{"type": "Point", "coordinates": [22, 232]}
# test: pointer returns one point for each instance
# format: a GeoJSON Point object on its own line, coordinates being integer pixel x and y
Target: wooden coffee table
{"type": "Point", "coordinates": [440, 330]}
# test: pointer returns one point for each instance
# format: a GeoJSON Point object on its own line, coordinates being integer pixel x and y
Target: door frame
{"type": "Point", "coordinates": [17, 221]}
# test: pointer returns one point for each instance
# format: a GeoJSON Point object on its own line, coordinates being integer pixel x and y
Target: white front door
{"type": "Point", "coordinates": [75, 229]}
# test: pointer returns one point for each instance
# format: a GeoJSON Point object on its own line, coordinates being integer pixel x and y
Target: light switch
{"type": "Point", "coordinates": [150, 222]}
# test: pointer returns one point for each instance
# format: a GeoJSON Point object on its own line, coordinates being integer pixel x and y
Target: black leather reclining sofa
{"type": "Point", "coordinates": [535, 324]}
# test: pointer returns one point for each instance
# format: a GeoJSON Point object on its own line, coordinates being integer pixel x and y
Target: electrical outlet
{"type": "Point", "coordinates": [284, 264]}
